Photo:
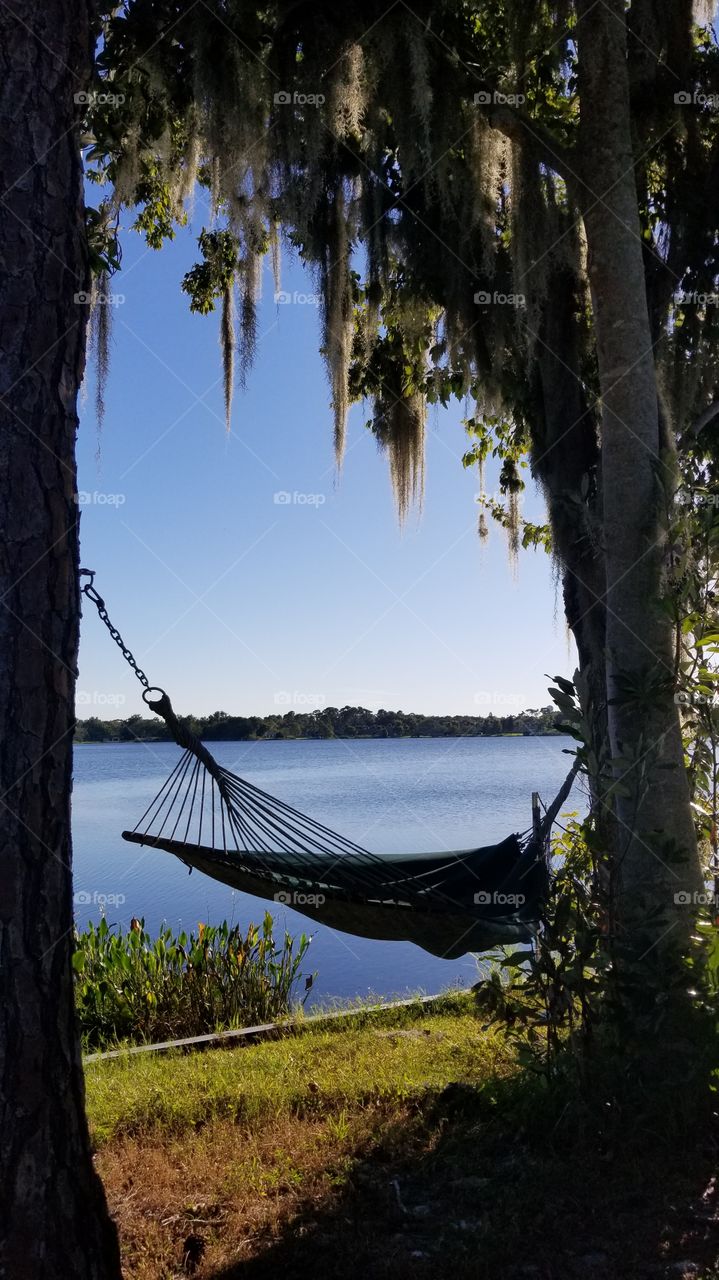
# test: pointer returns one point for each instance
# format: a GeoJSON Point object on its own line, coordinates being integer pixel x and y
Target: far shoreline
{"type": "Point", "coordinates": [337, 737]}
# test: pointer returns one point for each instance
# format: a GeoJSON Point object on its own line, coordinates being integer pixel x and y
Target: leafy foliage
{"type": "Point", "coordinates": [131, 987]}
{"type": "Point", "coordinates": [329, 722]}
{"type": "Point", "coordinates": [333, 159]}
{"type": "Point", "coordinates": [434, 151]}
{"type": "Point", "coordinates": [576, 991]}
{"type": "Point", "coordinates": [208, 280]}
{"type": "Point", "coordinates": [693, 598]}
{"type": "Point", "coordinates": [548, 999]}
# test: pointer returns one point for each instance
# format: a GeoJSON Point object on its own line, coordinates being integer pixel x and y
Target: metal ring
{"type": "Point", "coordinates": [153, 688]}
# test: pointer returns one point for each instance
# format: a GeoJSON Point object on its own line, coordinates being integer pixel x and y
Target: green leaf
{"type": "Point", "coordinates": [516, 959]}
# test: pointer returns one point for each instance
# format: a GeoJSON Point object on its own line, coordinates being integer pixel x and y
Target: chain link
{"type": "Point", "coordinates": [89, 591]}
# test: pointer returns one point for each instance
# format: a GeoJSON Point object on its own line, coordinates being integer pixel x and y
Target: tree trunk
{"type": "Point", "coordinates": [656, 860]}
{"type": "Point", "coordinates": [53, 1217]}
{"type": "Point", "coordinates": [565, 458]}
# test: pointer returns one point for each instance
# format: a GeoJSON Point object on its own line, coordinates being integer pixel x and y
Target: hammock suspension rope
{"type": "Point", "coordinates": [226, 827]}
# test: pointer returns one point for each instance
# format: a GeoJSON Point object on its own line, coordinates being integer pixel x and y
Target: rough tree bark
{"type": "Point", "coordinates": [657, 855]}
{"type": "Point", "coordinates": [53, 1217]}
{"type": "Point", "coordinates": [565, 458]}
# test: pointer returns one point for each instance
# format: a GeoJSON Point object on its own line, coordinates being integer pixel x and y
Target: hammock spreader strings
{"type": "Point", "coordinates": [205, 809]}
{"type": "Point", "coordinates": [265, 835]}
{"type": "Point", "coordinates": [224, 816]}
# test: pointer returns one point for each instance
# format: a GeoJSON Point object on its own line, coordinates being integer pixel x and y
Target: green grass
{"type": "Point", "coordinates": [321, 1069]}
{"type": "Point", "coordinates": [399, 1144]}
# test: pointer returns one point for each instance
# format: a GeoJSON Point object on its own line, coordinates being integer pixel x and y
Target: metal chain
{"type": "Point", "coordinates": [89, 591]}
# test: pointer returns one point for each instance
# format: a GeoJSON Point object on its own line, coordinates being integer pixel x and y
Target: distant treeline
{"type": "Point", "coordinates": [331, 722]}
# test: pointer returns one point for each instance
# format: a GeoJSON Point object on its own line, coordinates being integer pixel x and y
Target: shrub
{"type": "Point", "coordinates": [129, 987]}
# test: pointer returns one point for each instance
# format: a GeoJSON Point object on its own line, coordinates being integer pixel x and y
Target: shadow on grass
{"type": "Point", "coordinates": [516, 1180]}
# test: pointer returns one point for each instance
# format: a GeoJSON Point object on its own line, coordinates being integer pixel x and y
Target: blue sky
{"type": "Point", "coordinates": [233, 600]}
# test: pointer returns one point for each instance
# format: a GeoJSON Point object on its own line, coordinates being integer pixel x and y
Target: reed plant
{"type": "Point", "coordinates": [130, 987]}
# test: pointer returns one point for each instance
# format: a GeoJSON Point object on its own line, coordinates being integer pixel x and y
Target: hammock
{"type": "Point", "coordinates": [446, 903]}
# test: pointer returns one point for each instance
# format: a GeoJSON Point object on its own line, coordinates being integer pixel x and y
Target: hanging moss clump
{"type": "Point", "coordinates": [400, 432]}
{"type": "Point", "coordinates": [100, 334]}
{"type": "Point", "coordinates": [227, 344]}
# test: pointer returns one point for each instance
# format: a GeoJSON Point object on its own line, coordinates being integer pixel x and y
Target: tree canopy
{"type": "Point", "coordinates": [424, 164]}
{"type": "Point", "coordinates": [327, 722]}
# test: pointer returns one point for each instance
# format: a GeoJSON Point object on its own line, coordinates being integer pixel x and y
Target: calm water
{"type": "Point", "coordinates": [390, 796]}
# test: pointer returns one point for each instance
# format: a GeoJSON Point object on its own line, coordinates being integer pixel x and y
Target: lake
{"type": "Point", "coordinates": [389, 795]}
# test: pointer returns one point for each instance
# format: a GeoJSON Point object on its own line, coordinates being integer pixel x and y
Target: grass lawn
{"type": "Point", "coordinates": [398, 1144]}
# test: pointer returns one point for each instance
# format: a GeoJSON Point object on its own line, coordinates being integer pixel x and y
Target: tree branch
{"type": "Point", "coordinates": [702, 421]}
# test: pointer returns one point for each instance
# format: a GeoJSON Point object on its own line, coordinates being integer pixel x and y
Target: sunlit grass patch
{"type": "Point", "coordinates": [321, 1070]}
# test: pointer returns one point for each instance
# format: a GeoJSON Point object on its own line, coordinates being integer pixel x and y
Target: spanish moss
{"type": "Point", "coordinates": [227, 344]}
{"type": "Point", "coordinates": [337, 317]}
{"type": "Point", "coordinates": [402, 436]}
{"type": "Point", "coordinates": [356, 146]}
{"type": "Point", "coordinates": [99, 342]}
